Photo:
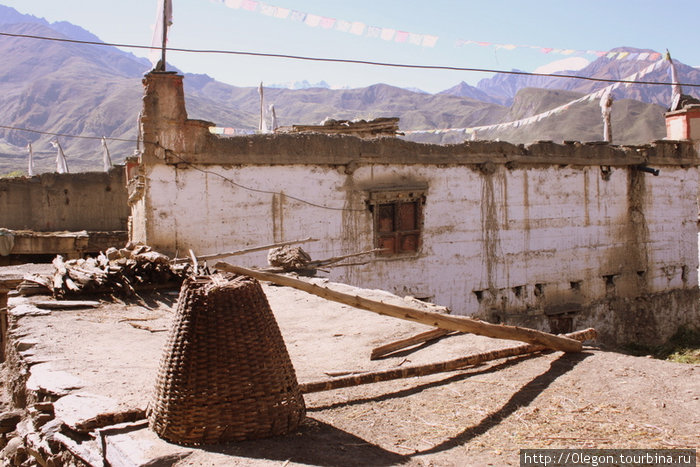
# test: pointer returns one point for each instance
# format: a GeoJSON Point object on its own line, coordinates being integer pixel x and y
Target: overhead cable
{"type": "Point", "coordinates": [65, 135]}
{"type": "Point", "coordinates": [342, 60]}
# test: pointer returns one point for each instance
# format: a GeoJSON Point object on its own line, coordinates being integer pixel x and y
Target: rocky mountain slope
{"type": "Point", "coordinates": [502, 88]}
{"type": "Point", "coordinates": [93, 90]}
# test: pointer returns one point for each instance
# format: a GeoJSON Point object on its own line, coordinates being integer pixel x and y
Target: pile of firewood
{"type": "Point", "coordinates": [289, 258]}
{"type": "Point", "coordinates": [127, 270]}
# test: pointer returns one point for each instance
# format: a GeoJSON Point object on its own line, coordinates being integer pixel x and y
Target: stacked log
{"type": "Point", "coordinates": [120, 271]}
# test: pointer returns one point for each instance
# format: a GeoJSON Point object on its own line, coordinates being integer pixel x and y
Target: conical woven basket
{"type": "Point", "coordinates": [225, 374]}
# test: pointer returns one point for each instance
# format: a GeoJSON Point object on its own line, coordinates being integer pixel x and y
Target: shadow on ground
{"type": "Point", "coordinates": [318, 443]}
{"type": "Point", "coordinates": [521, 398]}
{"type": "Point", "coordinates": [314, 443]}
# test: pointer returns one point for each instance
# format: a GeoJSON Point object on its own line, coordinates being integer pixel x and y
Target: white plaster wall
{"type": "Point", "coordinates": [207, 213]}
{"type": "Point", "coordinates": [551, 226]}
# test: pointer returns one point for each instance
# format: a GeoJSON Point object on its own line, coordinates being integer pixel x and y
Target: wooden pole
{"type": "Point", "coordinates": [260, 91]}
{"type": "Point", "coordinates": [452, 323]}
{"type": "Point", "coordinates": [432, 368]}
{"type": "Point", "coordinates": [335, 259]}
{"type": "Point", "coordinates": [165, 34]}
{"type": "Point", "coordinates": [244, 251]}
{"type": "Point", "coordinates": [391, 347]}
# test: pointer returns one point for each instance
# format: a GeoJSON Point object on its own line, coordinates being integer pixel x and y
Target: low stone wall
{"type": "Point", "coordinates": [57, 202]}
{"type": "Point", "coordinates": [649, 319]}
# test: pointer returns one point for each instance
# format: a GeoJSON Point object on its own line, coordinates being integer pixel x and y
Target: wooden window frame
{"type": "Point", "coordinates": [402, 239]}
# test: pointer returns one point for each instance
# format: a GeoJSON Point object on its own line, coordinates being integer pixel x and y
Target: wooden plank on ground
{"type": "Point", "coordinates": [382, 350]}
{"type": "Point", "coordinates": [432, 368]}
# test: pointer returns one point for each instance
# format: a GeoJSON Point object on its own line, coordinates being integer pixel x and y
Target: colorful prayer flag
{"type": "Point", "coordinates": [357, 28]}
{"type": "Point", "coordinates": [327, 23]}
{"type": "Point", "coordinates": [373, 31]}
{"type": "Point", "coordinates": [342, 25]}
{"type": "Point", "coordinates": [249, 5]}
{"type": "Point", "coordinates": [235, 4]}
{"type": "Point", "coordinates": [282, 13]}
{"type": "Point", "coordinates": [267, 10]}
{"type": "Point", "coordinates": [387, 34]}
{"type": "Point", "coordinates": [415, 39]}
{"type": "Point", "coordinates": [298, 16]}
{"type": "Point", "coordinates": [429, 41]}
{"type": "Point", "coordinates": [312, 20]}
{"type": "Point", "coordinates": [401, 36]}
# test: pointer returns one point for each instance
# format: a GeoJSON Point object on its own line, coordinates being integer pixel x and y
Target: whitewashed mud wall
{"type": "Point", "coordinates": [551, 236]}
{"type": "Point", "coordinates": [518, 245]}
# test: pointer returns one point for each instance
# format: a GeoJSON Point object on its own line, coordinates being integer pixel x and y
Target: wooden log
{"type": "Point", "coordinates": [80, 276]}
{"type": "Point", "coordinates": [432, 368]}
{"type": "Point", "coordinates": [195, 263]}
{"type": "Point", "coordinates": [70, 285]}
{"type": "Point", "coordinates": [335, 259]}
{"type": "Point", "coordinates": [452, 323]}
{"type": "Point", "coordinates": [60, 267]}
{"type": "Point", "coordinates": [427, 336]}
{"type": "Point", "coordinates": [27, 288]}
{"type": "Point", "coordinates": [66, 304]}
{"type": "Point", "coordinates": [45, 281]}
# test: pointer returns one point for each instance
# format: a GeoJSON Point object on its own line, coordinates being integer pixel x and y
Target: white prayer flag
{"type": "Point", "coordinates": [30, 163]}
{"type": "Point", "coordinates": [164, 14]}
{"type": "Point", "coordinates": [61, 164]}
{"type": "Point", "coordinates": [106, 160]}
{"type": "Point", "coordinates": [273, 118]}
{"type": "Point", "coordinates": [676, 90]}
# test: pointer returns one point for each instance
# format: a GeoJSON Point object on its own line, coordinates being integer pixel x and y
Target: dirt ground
{"type": "Point", "coordinates": [479, 416]}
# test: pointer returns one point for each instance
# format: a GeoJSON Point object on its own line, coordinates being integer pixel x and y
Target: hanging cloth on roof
{"type": "Point", "coordinates": [273, 118]}
{"type": "Point", "coordinates": [164, 18]}
{"type": "Point", "coordinates": [262, 127]}
{"type": "Point", "coordinates": [106, 160]}
{"type": "Point", "coordinates": [676, 90]}
{"type": "Point", "coordinates": [606, 102]}
{"type": "Point", "coordinates": [30, 162]}
{"type": "Point", "coordinates": [61, 164]}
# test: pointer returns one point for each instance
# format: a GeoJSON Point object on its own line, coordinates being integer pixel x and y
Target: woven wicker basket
{"type": "Point", "coordinates": [225, 374]}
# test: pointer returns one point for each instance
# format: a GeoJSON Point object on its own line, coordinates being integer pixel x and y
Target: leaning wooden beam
{"type": "Point", "coordinates": [244, 251]}
{"type": "Point", "coordinates": [452, 323]}
{"type": "Point", "coordinates": [432, 368]}
{"type": "Point", "coordinates": [379, 352]}
{"type": "Point", "coordinates": [335, 259]}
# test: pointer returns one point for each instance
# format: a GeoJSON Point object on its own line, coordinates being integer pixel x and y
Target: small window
{"type": "Point", "coordinates": [397, 221]}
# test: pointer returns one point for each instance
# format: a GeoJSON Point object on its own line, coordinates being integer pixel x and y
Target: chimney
{"type": "Point", "coordinates": [684, 124]}
{"type": "Point", "coordinates": [163, 113]}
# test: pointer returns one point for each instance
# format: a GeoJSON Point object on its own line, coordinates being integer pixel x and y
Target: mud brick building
{"type": "Point", "coordinates": [553, 236]}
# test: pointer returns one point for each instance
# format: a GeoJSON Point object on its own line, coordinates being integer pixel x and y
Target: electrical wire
{"type": "Point", "coordinates": [293, 57]}
{"type": "Point", "coordinates": [65, 135]}
{"type": "Point", "coordinates": [343, 60]}
{"type": "Point", "coordinates": [257, 190]}
{"type": "Point", "coordinates": [193, 166]}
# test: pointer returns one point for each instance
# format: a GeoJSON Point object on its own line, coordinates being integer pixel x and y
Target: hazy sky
{"type": "Point", "coordinates": [576, 26]}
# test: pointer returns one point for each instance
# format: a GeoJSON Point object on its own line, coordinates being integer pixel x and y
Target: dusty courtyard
{"type": "Point", "coordinates": [481, 415]}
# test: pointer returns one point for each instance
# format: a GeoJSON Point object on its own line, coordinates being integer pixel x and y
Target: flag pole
{"type": "Point", "coordinates": [165, 34]}
{"type": "Point", "coordinates": [260, 91]}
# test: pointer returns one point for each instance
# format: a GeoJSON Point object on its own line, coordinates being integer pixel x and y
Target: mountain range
{"type": "Point", "coordinates": [93, 90]}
